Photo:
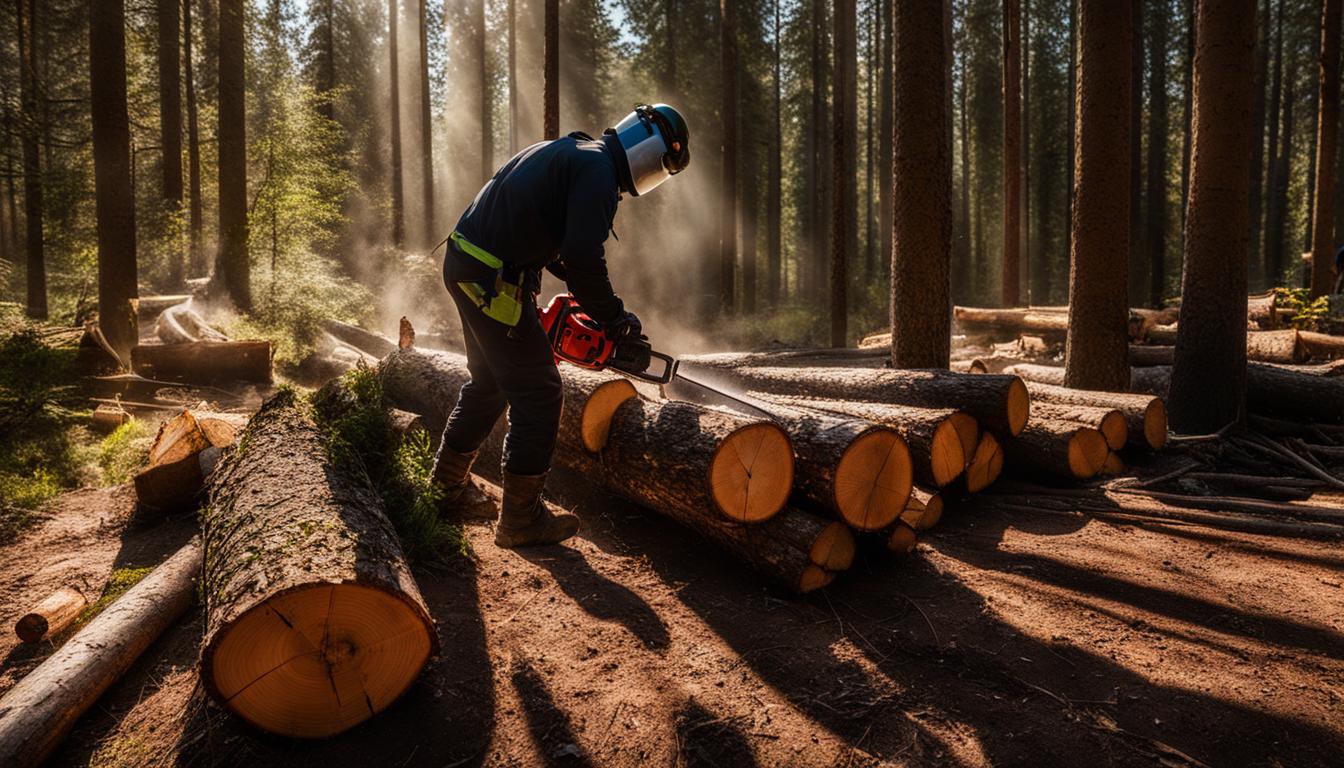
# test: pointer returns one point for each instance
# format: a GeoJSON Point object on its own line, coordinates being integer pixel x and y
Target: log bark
{"type": "Point", "coordinates": [1110, 422]}
{"type": "Point", "coordinates": [51, 616]}
{"type": "Point", "coordinates": [931, 435]}
{"type": "Point", "coordinates": [1262, 310]}
{"type": "Point", "coordinates": [1275, 347]}
{"type": "Point", "coordinates": [205, 362]}
{"type": "Point", "coordinates": [369, 342]}
{"type": "Point", "coordinates": [998, 403]}
{"type": "Point", "coordinates": [40, 710]}
{"type": "Point", "coordinates": [313, 620]}
{"type": "Point", "coordinates": [1321, 346]}
{"type": "Point", "coordinates": [1143, 355]}
{"type": "Point", "coordinates": [1059, 449]}
{"type": "Point", "coordinates": [1011, 322]}
{"type": "Point", "coordinates": [1145, 416]}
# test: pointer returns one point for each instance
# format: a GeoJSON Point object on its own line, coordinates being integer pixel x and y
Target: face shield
{"type": "Point", "coordinates": [653, 151]}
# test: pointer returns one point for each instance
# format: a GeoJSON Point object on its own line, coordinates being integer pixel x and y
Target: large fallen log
{"type": "Point", "coordinates": [1010, 321]}
{"type": "Point", "coordinates": [999, 403]}
{"type": "Point", "coordinates": [1060, 449]}
{"type": "Point", "coordinates": [313, 620]}
{"type": "Point", "coordinates": [51, 616]}
{"type": "Point", "coordinates": [40, 710]}
{"type": "Point", "coordinates": [933, 435]}
{"type": "Point", "coordinates": [204, 362]}
{"type": "Point", "coordinates": [1145, 416]}
{"type": "Point", "coordinates": [1109, 421]}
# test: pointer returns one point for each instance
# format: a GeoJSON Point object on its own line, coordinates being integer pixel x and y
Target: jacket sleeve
{"type": "Point", "coordinates": [591, 208]}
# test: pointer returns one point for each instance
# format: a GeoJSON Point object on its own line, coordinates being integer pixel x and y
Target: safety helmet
{"type": "Point", "coordinates": [651, 144]}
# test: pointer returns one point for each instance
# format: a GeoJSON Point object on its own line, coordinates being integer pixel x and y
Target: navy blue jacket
{"type": "Point", "coordinates": [552, 206]}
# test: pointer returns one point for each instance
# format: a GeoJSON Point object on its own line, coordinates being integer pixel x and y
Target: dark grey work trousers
{"type": "Point", "coordinates": [510, 367]}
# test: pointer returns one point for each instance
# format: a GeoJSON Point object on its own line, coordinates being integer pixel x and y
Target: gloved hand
{"type": "Point", "coordinates": [626, 325]}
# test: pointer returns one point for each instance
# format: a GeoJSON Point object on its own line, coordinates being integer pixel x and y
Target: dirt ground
{"type": "Point", "coordinates": [1007, 638]}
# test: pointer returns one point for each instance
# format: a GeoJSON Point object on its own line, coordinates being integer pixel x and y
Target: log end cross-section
{"type": "Point", "coordinates": [751, 472]}
{"type": "Point", "coordinates": [873, 479]}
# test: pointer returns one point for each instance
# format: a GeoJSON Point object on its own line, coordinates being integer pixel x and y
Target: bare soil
{"type": "Point", "coordinates": [1010, 638]}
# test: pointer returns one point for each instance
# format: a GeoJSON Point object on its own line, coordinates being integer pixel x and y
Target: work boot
{"type": "Point", "coordinates": [461, 497]}
{"type": "Point", "coordinates": [525, 520]}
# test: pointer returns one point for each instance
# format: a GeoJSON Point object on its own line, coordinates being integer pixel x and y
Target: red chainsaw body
{"type": "Point", "coordinates": [575, 337]}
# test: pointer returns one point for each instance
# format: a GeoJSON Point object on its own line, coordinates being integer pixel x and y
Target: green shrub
{"type": "Point", "coordinates": [122, 453]}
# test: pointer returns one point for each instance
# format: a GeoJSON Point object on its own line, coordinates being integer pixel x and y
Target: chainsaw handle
{"type": "Point", "coordinates": [668, 372]}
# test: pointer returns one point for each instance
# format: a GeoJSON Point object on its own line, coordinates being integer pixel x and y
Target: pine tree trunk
{"type": "Point", "coordinates": [843, 162]}
{"type": "Point", "coordinates": [394, 128]}
{"type": "Point", "coordinates": [1097, 351]}
{"type": "Point", "coordinates": [962, 274]}
{"type": "Point", "coordinates": [1156, 240]}
{"type": "Point", "coordinates": [774, 256]}
{"type": "Point", "coordinates": [326, 66]}
{"type": "Point", "coordinates": [426, 135]}
{"type": "Point", "coordinates": [36, 306]}
{"type": "Point", "coordinates": [1276, 228]}
{"type": "Point", "coordinates": [551, 72]}
{"type": "Point", "coordinates": [1273, 263]}
{"type": "Point", "coordinates": [487, 103]}
{"type": "Point", "coordinates": [921, 334]}
{"type": "Point", "coordinates": [231, 265]}
{"type": "Point", "coordinates": [1323, 234]}
{"type": "Point", "coordinates": [1208, 388]}
{"type": "Point", "coordinates": [1024, 195]}
{"type": "Point", "coordinates": [196, 217]}
{"type": "Point", "coordinates": [1138, 254]}
{"type": "Point", "coordinates": [115, 198]}
{"type": "Point", "coordinates": [750, 222]}
{"type": "Point", "coordinates": [1012, 153]}
{"type": "Point", "coordinates": [870, 166]}
{"type": "Point", "coordinates": [1188, 114]}
{"type": "Point", "coordinates": [1258, 135]}
{"type": "Point", "coordinates": [170, 115]}
{"type": "Point", "coordinates": [885, 171]}
{"type": "Point", "coordinates": [728, 177]}
{"type": "Point", "coordinates": [1072, 147]}
{"type": "Point", "coordinates": [816, 160]}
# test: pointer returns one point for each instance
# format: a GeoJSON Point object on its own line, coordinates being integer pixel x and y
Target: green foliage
{"type": "Point", "coordinates": [1309, 313]}
{"type": "Point", "coordinates": [360, 440]}
{"type": "Point", "coordinates": [122, 453]}
{"type": "Point", "coordinates": [34, 377]}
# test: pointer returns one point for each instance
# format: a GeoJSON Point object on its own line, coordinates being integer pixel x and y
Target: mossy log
{"type": "Point", "coordinates": [999, 403]}
{"type": "Point", "coordinates": [314, 622]}
{"type": "Point", "coordinates": [933, 436]}
{"type": "Point", "coordinates": [38, 712]}
{"type": "Point", "coordinates": [1060, 449]}
{"type": "Point", "coordinates": [204, 362]}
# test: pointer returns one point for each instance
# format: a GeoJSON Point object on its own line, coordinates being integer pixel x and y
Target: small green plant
{"type": "Point", "coordinates": [1309, 313]}
{"type": "Point", "coordinates": [34, 378]}
{"type": "Point", "coordinates": [352, 413]}
{"type": "Point", "coordinates": [122, 453]}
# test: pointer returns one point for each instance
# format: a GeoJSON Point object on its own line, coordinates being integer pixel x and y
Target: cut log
{"type": "Point", "coordinates": [1275, 347]}
{"type": "Point", "coordinates": [40, 710]}
{"type": "Point", "coordinates": [998, 403]}
{"type": "Point", "coordinates": [1162, 334]}
{"type": "Point", "coordinates": [1114, 465]}
{"type": "Point", "coordinates": [106, 418]}
{"type": "Point", "coordinates": [150, 307]}
{"type": "Point", "coordinates": [182, 456]}
{"type": "Point", "coordinates": [923, 510]}
{"type": "Point", "coordinates": [51, 616]}
{"type": "Point", "coordinates": [1147, 354]}
{"type": "Point", "coordinates": [204, 362]}
{"type": "Point", "coordinates": [858, 470]}
{"type": "Point", "coordinates": [313, 620]}
{"type": "Point", "coordinates": [1058, 449]}
{"type": "Point", "coordinates": [931, 434]}
{"type": "Point", "coordinates": [986, 464]}
{"type": "Point", "coordinates": [1109, 421]}
{"type": "Point", "coordinates": [1145, 416]}
{"type": "Point", "coordinates": [974, 320]}
{"type": "Point", "coordinates": [901, 539]}
{"type": "Point", "coordinates": [1321, 346]}
{"type": "Point", "coordinates": [182, 325]}
{"type": "Point", "coordinates": [1262, 310]}
{"type": "Point", "coordinates": [365, 341]}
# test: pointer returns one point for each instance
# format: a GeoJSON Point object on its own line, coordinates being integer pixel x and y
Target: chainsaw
{"type": "Point", "coordinates": [578, 339]}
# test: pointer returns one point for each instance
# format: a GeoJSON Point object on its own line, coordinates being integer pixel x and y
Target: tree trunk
{"type": "Point", "coordinates": [551, 72]}
{"type": "Point", "coordinates": [487, 103]}
{"type": "Point", "coordinates": [1156, 239]}
{"type": "Point", "coordinates": [1279, 113]}
{"type": "Point", "coordinates": [1208, 380]}
{"type": "Point", "coordinates": [774, 212]}
{"type": "Point", "coordinates": [1097, 351]}
{"type": "Point", "coordinates": [204, 362]}
{"type": "Point", "coordinates": [394, 128]}
{"type": "Point", "coordinates": [869, 161]}
{"type": "Point", "coordinates": [843, 165]}
{"type": "Point", "coordinates": [289, 536]}
{"type": "Point", "coordinates": [1188, 114]}
{"type": "Point", "coordinates": [921, 190]}
{"type": "Point", "coordinates": [29, 120]}
{"type": "Point", "coordinates": [962, 274]}
{"type": "Point", "coordinates": [38, 712]}
{"type": "Point", "coordinates": [1012, 153]}
{"type": "Point", "coordinates": [1327, 126]}
{"type": "Point", "coordinates": [932, 435]}
{"type": "Point", "coordinates": [728, 177]}
{"type": "Point", "coordinates": [232, 264]}
{"type": "Point", "coordinates": [1138, 254]}
{"type": "Point", "coordinates": [998, 403]}
{"type": "Point", "coordinates": [115, 196]}
{"type": "Point", "coordinates": [1262, 32]}
{"type": "Point", "coordinates": [1059, 449]}
{"type": "Point", "coordinates": [196, 217]}
{"type": "Point", "coordinates": [1072, 147]}
{"type": "Point", "coordinates": [426, 136]}
{"type": "Point", "coordinates": [170, 116]}
{"type": "Point", "coordinates": [885, 128]}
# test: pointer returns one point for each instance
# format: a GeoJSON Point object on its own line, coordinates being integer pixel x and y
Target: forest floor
{"type": "Point", "coordinates": [1005, 638]}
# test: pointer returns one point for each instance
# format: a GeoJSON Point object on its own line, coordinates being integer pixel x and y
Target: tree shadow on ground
{"type": "Point", "coordinates": [599, 596]}
{"type": "Point", "coordinates": [706, 740]}
{"type": "Point", "coordinates": [550, 728]}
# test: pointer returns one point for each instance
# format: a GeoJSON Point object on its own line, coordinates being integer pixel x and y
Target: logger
{"type": "Point", "coordinates": [551, 206]}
